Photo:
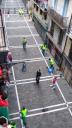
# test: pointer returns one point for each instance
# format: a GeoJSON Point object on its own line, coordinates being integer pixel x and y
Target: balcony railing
{"type": "Point", "coordinates": [62, 21]}
{"type": "Point", "coordinates": [37, 4]}
{"type": "Point", "coordinates": [69, 33]}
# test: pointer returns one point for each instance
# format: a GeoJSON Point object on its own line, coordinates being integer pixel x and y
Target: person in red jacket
{"type": "Point", "coordinates": [3, 103]}
{"type": "Point", "coordinates": [54, 80]}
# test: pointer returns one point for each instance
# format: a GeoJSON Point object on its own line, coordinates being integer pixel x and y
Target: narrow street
{"type": "Point", "coordinates": [47, 108]}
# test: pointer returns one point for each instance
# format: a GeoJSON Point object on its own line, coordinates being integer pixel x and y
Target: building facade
{"type": "Point", "coordinates": [52, 25]}
{"type": "Point", "coordinates": [67, 56]}
{"type": "Point", "coordinates": [3, 47]}
{"type": "Point", "coordinates": [58, 25]}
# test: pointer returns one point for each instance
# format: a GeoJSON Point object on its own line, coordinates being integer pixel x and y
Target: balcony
{"type": "Point", "coordinates": [43, 7]}
{"type": "Point", "coordinates": [69, 35]}
{"type": "Point", "coordinates": [41, 15]}
{"type": "Point", "coordinates": [61, 21]}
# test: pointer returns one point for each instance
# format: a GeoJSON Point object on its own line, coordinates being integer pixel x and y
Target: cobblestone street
{"type": "Point", "coordinates": [47, 108]}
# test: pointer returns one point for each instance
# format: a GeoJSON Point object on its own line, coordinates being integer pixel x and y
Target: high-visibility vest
{"type": "Point", "coordinates": [41, 46]}
{"type": "Point", "coordinates": [13, 126]}
{"type": "Point", "coordinates": [21, 12]}
{"type": "Point", "coordinates": [24, 112]}
{"type": "Point", "coordinates": [44, 47]}
{"type": "Point", "coordinates": [52, 61]}
{"type": "Point", "coordinates": [24, 41]}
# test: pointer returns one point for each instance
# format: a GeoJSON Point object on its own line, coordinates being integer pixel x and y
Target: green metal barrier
{"type": "Point", "coordinates": [4, 112]}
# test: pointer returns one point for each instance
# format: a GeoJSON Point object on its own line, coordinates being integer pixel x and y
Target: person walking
{"type": "Point", "coordinates": [24, 67]}
{"type": "Point", "coordinates": [24, 42]}
{"type": "Point", "coordinates": [54, 80]}
{"type": "Point", "coordinates": [8, 13]}
{"type": "Point", "coordinates": [38, 75]}
{"type": "Point", "coordinates": [30, 13]}
{"type": "Point", "coordinates": [43, 49]}
{"type": "Point", "coordinates": [51, 64]}
{"type": "Point", "coordinates": [21, 12]}
{"type": "Point", "coordinates": [9, 57]}
{"type": "Point", "coordinates": [23, 115]}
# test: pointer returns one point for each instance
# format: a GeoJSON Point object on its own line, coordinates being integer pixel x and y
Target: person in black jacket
{"type": "Point", "coordinates": [38, 75]}
{"type": "Point", "coordinates": [24, 67]}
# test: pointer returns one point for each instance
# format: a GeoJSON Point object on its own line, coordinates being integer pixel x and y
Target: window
{"type": "Point", "coordinates": [41, 12]}
{"type": "Point", "coordinates": [60, 37]}
{"type": "Point", "coordinates": [52, 28]}
{"type": "Point", "coordinates": [45, 15]}
{"type": "Point", "coordinates": [36, 8]}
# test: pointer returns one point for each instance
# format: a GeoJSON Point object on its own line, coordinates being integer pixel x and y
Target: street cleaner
{"type": "Point", "coordinates": [23, 115]}
{"type": "Point", "coordinates": [21, 12]}
{"type": "Point", "coordinates": [51, 63]}
{"type": "Point", "coordinates": [24, 42]}
{"type": "Point", "coordinates": [43, 49]}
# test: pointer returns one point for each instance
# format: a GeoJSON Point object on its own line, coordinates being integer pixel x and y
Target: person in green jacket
{"type": "Point", "coordinates": [23, 115]}
{"type": "Point", "coordinates": [24, 42]}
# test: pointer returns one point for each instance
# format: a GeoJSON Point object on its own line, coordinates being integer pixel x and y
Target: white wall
{"type": "Point", "coordinates": [69, 9]}
{"type": "Point", "coordinates": [69, 12]}
{"type": "Point", "coordinates": [50, 3]}
{"type": "Point", "coordinates": [60, 6]}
